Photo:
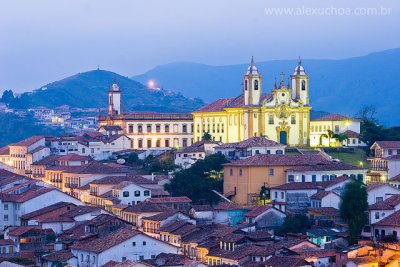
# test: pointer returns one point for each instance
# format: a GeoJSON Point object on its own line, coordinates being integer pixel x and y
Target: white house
{"type": "Point", "coordinates": [325, 199]}
{"type": "Point", "coordinates": [297, 196]}
{"type": "Point", "coordinates": [264, 217]}
{"type": "Point", "coordinates": [387, 228]}
{"type": "Point", "coordinates": [31, 198]}
{"type": "Point", "coordinates": [385, 163]}
{"type": "Point", "coordinates": [130, 193]}
{"type": "Point", "coordinates": [324, 173]}
{"type": "Point", "coordinates": [121, 245]}
{"type": "Point", "coordinates": [186, 156]}
{"type": "Point", "coordinates": [337, 124]}
{"type": "Point", "coordinates": [380, 191]}
{"type": "Point", "coordinates": [250, 147]}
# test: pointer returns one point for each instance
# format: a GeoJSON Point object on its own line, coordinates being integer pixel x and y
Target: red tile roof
{"type": "Point", "coordinates": [74, 157]}
{"type": "Point", "coordinates": [373, 186]}
{"type": "Point", "coordinates": [311, 185]}
{"type": "Point", "coordinates": [388, 144]}
{"type": "Point", "coordinates": [106, 242]}
{"type": "Point", "coordinates": [256, 141]}
{"type": "Point", "coordinates": [388, 204]}
{"type": "Point", "coordinates": [285, 261]}
{"type": "Point", "coordinates": [223, 103]}
{"type": "Point", "coordinates": [91, 167]}
{"type": "Point", "coordinates": [227, 206]}
{"type": "Point", "coordinates": [352, 134]}
{"type": "Point", "coordinates": [47, 209]}
{"type": "Point", "coordinates": [6, 242]}
{"type": "Point", "coordinates": [144, 207]}
{"type": "Point", "coordinates": [115, 180]}
{"type": "Point", "coordinates": [29, 141]}
{"type": "Point", "coordinates": [329, 166]}
{"type": "Point", "coordinates": [257, 211]}
{"type": "Point", "coordinates": [5, 150]}
{"type": "Point", "coordinates": [329, 211]}
{"type": "Point", "coordinates": [280, 160]}
{"type": "Point", "coordinates": [165, 200]}
{"type": "Point", "coordinates": [391, 220]}
{"type": "Point", "coordinates": [161, 216]}
{"type": "Point", "coordinates": [59, 256]}
{"type": "Point", "coordinates": [33, 192]}
{"type": "Point", "coordinates": [19, 230]}
{"type": "Point", "coordinates": [195, 148]}
{"type": "Point", "coordinates": [320, 195]}
{"type": "Point", "coordinates": [334, 117]}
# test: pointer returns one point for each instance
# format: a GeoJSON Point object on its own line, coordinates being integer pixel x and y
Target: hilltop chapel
{"type": "Point", "coordinates": [283, 115]}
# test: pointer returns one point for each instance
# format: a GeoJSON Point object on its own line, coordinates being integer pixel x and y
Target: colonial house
{"type": "Point", "coordinates": [385, 163]}
{"type": "Point", "coordinates": [388, 228]}
{"type": "Point", "coordinates": [22, 154]}
{"type": "Point", "coordinates": [338, 124]}
{"type": "Point", "coordinates": [135, 213]}
{"type": "Point", "coordinates": [20, 200]}
{"type": "Point", "coordinates": [243, 179]}
{"type": "Point", "coordinates": [9, 179]}
{"type": "Point", "coordinates": [153, 224]}
{"type": "Point", "coordinates": [173, 232]}
{"type": "Point", "coordinates": [148, 130]}
{"type": "Point", "coordinates": [250, 147]}
{"type": "Point", "coordinates": [121, 245]}
{"type": "Point", "coordinates": [380, 191]}
{"type": "Point", "coordinates": [264, 217]}
{"type": "Point", "coordinates": [185, 157]}
{"type": "Point", "coordinates": [296, 197]}
{"type": "Point", "coordinates": [229, 213]}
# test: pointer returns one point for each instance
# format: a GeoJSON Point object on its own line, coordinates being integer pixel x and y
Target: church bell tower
{"type": "Point", "coordinates": [114, 100]}
{"type": "Point", "coordinates": [300, 84]}
{"type": "Point", "coordinates": [252, 85]}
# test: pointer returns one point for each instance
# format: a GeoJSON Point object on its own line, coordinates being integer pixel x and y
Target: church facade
{"type": "Point", "coordinates": [283, 115]}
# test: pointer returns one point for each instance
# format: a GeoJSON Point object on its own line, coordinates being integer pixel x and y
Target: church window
{"type": "Point", "coordinates": [245, 85]}
{"type": "Point", "coordinates": [303, 85]}
{"type": "Point", "coordinates": [184, 142]}
{"type": "Point", "coordinates": [320, 128]}
{"type": "Point", "coordinates": [204, 128]}
{"type": "Point", "coordinates": [140, 129]}
{"type": "Point", "coordinates": [158, 128]}
{"type": "Point", "coordinates": [218, 128]}
{"type": "Point", "coordinates": [148, 143]}
{"type": "Point", "coordinates": [198, 128]}
{"type": "Point", "coordinates": [213, 128]}
{"type": "Point", "coordinates": [270, 119]}
{"type": "Point", "coordinates": [130, 128]}
{"type": "Point", "coordinates": [166, 128]}
{"type": "Point", "coordinates": [166, 142]}
{"type": "Point", "coordinates": [149, 128]}
{"type": "Point", "coordinates": [222, 130]}
{"type": "Point", "coordinates": [255, 84]}
{"type": "Point", "coordinates": [324, 128]}
{"type": "Point", "coordinates": [184, 128]}
{"type": "Point", "coordinates": [255, 115]}
{"type": "Point", "coordinates": [192, 128]}
{"type": "Point", "coordinates": [158, 143]}
{"type": "Point", "coordinates": [312, 129]}
{"type": "Point", "coordinates": [293, 119]}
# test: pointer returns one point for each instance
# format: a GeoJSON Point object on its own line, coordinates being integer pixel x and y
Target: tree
{"type": "Point", "coordinates": [7, 97]}
{"type": "Point", "coordinates": [198, 181]}
{"type": "Point", "coordinates": [329, 135]}
{"type": "Point", "coordinates": [133, 158]}
{"type": "Point", "coordinates": [297, 223]}
{"type": "Point", "coordinates": [353, 208]}
{"type": "Point", "coordinates": [206, 137]}
{"type": "Point", "coordinates": [367, 113]}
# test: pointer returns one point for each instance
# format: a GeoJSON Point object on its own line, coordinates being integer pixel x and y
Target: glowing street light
{"type": "Point", "coordinates": [151, 84]}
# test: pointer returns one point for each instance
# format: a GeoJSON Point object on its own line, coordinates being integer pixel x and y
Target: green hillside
{"type": "Point", "coordinates": [89, 90]}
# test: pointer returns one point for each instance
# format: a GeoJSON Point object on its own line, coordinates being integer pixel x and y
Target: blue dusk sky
{"type": "Point", "coordinates": [46, 40]}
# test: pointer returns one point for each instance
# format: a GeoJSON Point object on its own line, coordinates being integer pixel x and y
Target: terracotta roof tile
{"type": "Point", "coordinates": [352, 134]}
{"type": "Point", "coordinates": [256, 141]}
{"type": "Point", "coordinates": [59, 256]}
{"type": "Point", "coordinates": [334, 117]}
{"type": "Point", "coordinates": [165, 200]}
{"type": "Point", "coordinates": [311, 185]}
{"type": "Point", "coordinates": [285, 261]}
{"type": "Point", "coordinates": [391, 220]}
{"type": "Point", "coordinates": [101, 244]}
{"type": "Point", "coordinates": [280, 160]}
{"type": "Point", "coordinates": [223, 103]}
{"type": "Point", "coordinates": [257, 211]}
{"type": "Point", "coordinates": [388, 144]}
{"type": "Point", "coordinates": [387, 204]}
{"type": "Point", "coordinates": [29, 141]}
{"type": "Point", "coordinates": [74, 157]}
{"type": "Point", "coordinates": [227, 206]}
{"type": "Point", "coordinates": [321, 194]}
{"type": "Point", "coordinates": [329, 211]}
{"type": "Point", "coordinates": [144, 207]}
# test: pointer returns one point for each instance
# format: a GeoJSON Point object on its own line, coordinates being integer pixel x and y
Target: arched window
{"type": "Point", "coordinates": [303, 85]}
{"type": "Point", "coordinates": [255, 84]}
{"type": "Point", "coordinates": [245, 85]}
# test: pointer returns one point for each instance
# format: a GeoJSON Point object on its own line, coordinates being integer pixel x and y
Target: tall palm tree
{"type": "Point", "coordinates": [330, 135]}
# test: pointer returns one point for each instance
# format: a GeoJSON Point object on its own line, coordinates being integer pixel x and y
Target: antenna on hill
{"type": "Point", "coordinates": [98, 67]}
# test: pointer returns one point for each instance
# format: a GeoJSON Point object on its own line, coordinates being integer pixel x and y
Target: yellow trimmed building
{"type": "Point", "coordinates": [283, 115]}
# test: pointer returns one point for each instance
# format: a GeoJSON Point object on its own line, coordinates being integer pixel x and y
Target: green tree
{"type": "Point", "coordinates": [206, 137]}
{"type": "Point", "coordinates": [133, 158]}
{"type": "Point", "coordinates": [198, 181]}
{"type": "Point", "coordinates": [7, 97]}
{"type": "Point", "coordinates": [329, 135]}
{"type": "Point", "coordinates": [353, 208]}
{"type": "Point", "coordinates": [297, 223]}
